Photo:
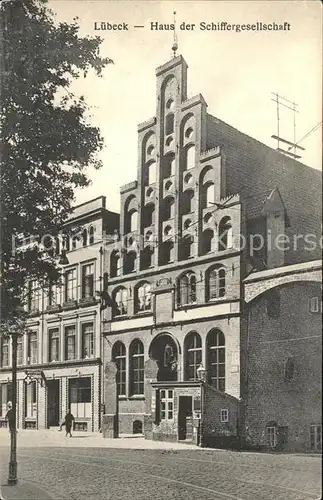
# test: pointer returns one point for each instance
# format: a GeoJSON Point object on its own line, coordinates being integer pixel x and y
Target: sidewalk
{"type": "Point", "coordinates": [24, 491]}
{"type": "Point", "coordinates": [54, 438]}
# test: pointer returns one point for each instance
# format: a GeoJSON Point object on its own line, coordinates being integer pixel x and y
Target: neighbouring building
{"type": "Point", "coordinates": [59, 359]}
{"type": "Point", "coordinates": [182, 346]}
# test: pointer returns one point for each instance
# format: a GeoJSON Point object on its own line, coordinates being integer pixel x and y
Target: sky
{"type": "Point", "coordinates": [236, 72]}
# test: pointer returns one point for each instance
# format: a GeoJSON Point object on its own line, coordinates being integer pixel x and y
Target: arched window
{"type": "Point", "coordinates": [133, 221]}
{"type": "Point", "coordinates": [186, 289]}
{"type": "Point", "coordinates": [91, 235]}
{"type": "Point", "coordinates": [120, 301]}
{"type": "Point", "coordinates": [193, 355]}
{"type": "Point", "coordinates": [216, 283]}
{"type": "Point", "coordinates": [206, 241]}
{"type": "Point", "coordinates": [209, 195]}
{"type": "Point", "coordinates": [190, 157]}
{"type": "Point", "coordinates": [225, 234]}
{"type": "Point", "coordinates": [166, 253]}
{"type": "Point", "coordinates": [169, 206]}
{"type": "Point", "coordinates": [146, 255]}
{"type": "Point", "coordinates": [216, 359]}
{"type": "Point", "coordinates": [84, 237]}
{"type": "Point", "coordinates": [119, 357]}
{"type": "Point", "coordinates": [187, 201]}
{"type": "Point", "coordinates": [143, 298]}
{"type": "Point", "coordinates": [136, 368]}
{"type": "Point", "coordinates": [66, 242]}
{"type": "Point", "coordinates": [169, 124]}
{"type": "Point", "coordinates": [115, 266]}
{"type": "Point", "coordinates": [148, 215]}
{"type": "Point", "coordinates": [170, 104]}
{"type": "Point", "coordinates": [151, 172]}
{"type": "Point", "coordinates": [129, 262]}
{"type": "Point", "coordinates": [185, 247]}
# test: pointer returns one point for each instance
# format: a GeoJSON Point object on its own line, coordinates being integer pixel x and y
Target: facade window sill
{"type": "Point", "coordinates": [122, 397]}
{"type": "Point", "coordinates": [140, 397]}
{"type": "Point", "coordinates": [69, 304]}
{"type": "Point", "coordinates": [35, 312]}
{"type": "Point", "coordinates": [87, 301]}
{"type": "Point", "coordinates": [53, 309]}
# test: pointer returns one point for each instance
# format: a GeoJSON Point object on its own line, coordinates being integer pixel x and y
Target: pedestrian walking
{"type": "Point", "coordinates": [69, 418]}
{"type": "Point", "coordinates": [9, 417]}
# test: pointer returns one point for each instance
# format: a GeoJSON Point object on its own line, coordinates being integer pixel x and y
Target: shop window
{"type": "Point", "coordinates": [79, 396]}
{"type": "Point", "coordinates": [193, 355]}
{"type": "Point", "coordinates": [31, 399]}
{"type": "Point", "coordinates": [216, 359]}
{"type": "Point", "coordinates": [119, 357]}
{"type": "Point", "coordinates": [136, 368]}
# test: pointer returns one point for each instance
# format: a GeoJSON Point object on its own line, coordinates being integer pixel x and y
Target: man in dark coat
{"type": "Point", "coordinates": [9, 417]}
{"type": "Point", "coordinates": [68, 422]}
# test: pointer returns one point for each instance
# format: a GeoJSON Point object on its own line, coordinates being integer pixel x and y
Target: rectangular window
{"type": "Point", "coordinates": [33, 296]}
{"type": "Point", "coordinates": [5, 397]}
{"type": "Point", "coordinates": [53, 341]}
{"type": "Point", "coordinates": [70, 285]}
{"type": "Point", "coordinates": [224, 415]}
{"type": "Point", "coordinates": [70, 346]}
{"type": "Point", "coordinates": [31, 400]}
{"type": "Point", "coordinates": [32, 352]}
{"type": "Point", "coordinates": [87, 340]}
{"type": "Point", "coordinates": [271, 433]}
{"type": "Point", "coordinates": [79, 391]}
{"type": "Point", "coordinates": [5, 351]}
{"type": "Point", "coordinates": [54, 294]}
{"type": "Point", "coordinates": [315, 305]}
{"type": "Point", "coordinates": [88, 281]}
{"type": "Point", "coordinates": [166, 404]}
{"type": "Point", "coordinates": [316, 437]}
{"type": "Point", "coordinates": [20, 358]}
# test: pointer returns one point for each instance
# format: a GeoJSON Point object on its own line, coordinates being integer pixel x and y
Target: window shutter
{"type": "Point", "coordinates": [157, 407]}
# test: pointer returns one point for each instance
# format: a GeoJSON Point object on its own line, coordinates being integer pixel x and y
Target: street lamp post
{"type": "Point", "coordinates": [13, 328]}
{"type": "Point", "coordinates": [12, 478]}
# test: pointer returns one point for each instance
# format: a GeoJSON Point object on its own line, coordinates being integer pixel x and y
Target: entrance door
{"type": "Point", "coordinates": [53, 403]}
{"type": "Point", "coordinates": [184, 417]}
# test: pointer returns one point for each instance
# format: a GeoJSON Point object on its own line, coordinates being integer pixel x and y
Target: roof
{"type": "Point", "coordinates": [255, 204]}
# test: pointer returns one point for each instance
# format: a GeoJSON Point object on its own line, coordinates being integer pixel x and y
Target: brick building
{"type": "Point", "coordinates": [176, 351]}
{"type": "Point", "coordinates": [59, 359]}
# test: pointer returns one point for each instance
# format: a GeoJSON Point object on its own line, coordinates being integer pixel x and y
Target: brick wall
{"type": "Point", "coordinates": [296, 335]}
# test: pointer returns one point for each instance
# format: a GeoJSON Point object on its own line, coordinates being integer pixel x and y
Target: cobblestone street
{"type": "Point", "coordinates": [104, 473]}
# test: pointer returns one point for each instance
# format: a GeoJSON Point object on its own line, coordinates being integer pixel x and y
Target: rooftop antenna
{"type": "Point", "coordinates": [282, 101]}
{"type": "Point", "coordinates": [175, 41]}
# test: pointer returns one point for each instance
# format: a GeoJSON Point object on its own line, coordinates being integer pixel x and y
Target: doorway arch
{"type": "Point", "coordinates": [165, 350]}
